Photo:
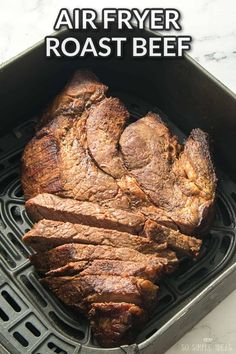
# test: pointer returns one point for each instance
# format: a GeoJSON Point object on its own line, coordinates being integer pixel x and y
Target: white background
{"type": "Point", "coordinates": [212, 24]}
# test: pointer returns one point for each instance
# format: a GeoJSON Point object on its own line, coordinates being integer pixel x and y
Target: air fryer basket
{"type": "Point", "coordinates": [34, 321]}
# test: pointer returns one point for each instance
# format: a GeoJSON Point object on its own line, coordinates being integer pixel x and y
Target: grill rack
{"type": "Point", "coordinates": [31, 319]}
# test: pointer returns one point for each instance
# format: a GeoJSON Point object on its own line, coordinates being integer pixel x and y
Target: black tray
{"type": "Point", "coordinates": [31, 319]}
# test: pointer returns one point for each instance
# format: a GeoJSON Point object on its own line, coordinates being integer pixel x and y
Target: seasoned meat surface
{"type": "Point", "coordinates": [110, 267]}
{"type": "Point", "coordinates": [117, 205]}
{"type": "Point", "coordinates": [115, 324]}
{"type": "Point", "coordinates": [180, 181]}
{"type": "Point", "coordinates": [81, 92]}
{"type": "Point", "coordinates": [73, 252]}
{"type": "Point", "coordinates": [185, 245]}
{"type": "Point", "coordinates": [49, 206]}
{"type": "Point", "coordinates": [104, 126]}
{"type": "Point", "coordinates": [96, 159]}
{"type": "Point", "coordinates": [53, 141]}
{"type": "Point", "coordinates": [81, 291]}
{"type": "Point", "coordinates": [63, 141]}
{"type": "Point", "coordinates": [47, 234]}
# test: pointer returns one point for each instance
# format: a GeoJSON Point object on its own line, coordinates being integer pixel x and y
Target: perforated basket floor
{"type": "Point", "coordinates": [34, 321]}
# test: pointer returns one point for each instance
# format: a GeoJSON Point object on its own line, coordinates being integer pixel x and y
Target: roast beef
{"type": "Point", "coordinates": [180, 181]}
{"type": "Point", "coordinates": [54, 234]}
{"type": "Point", "coordinates": [104, 125]}
{"type": "Point", "coordinates": [116, 323]}
{"type": "Point", "coordinates": [120, 199]}
{"type": "Point", "coordinates": [141, 167]}
{"type": "Point", "coordinates": [49, 206]}
{"type": "Point", "coordinates": [110, 267]}
{"type": "Point", "coordinates": [81, 291]}
{"type": "Point", "coordinates": [182, 244]}
{"type": "Point", "coordinates": [62, 143]}
{"type": "Point", "coordinates": [73, 252]}
{"type": "Point", "coordinates": [64, 209]}
{"type": "Point", "coordinates": [47, 234]}
{"type": "Point", "coordinates": [81, 92]}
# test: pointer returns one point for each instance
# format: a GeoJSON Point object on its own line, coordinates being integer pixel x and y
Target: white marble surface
{"type": "Point", "coordinates": [210, 22]}
{"type": "Point", "coordinates": [215, 333]}
{"type": "Point", "coordinates": [212, 25]}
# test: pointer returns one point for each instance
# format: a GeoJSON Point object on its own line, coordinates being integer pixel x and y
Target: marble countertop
{"type": "Point", "coordinates": [212, 25]}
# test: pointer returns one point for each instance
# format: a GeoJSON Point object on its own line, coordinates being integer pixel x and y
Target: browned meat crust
{"type": "Point", "coordinates": [115, 324]}
{"type": "Point", "coordinates": [171, 184]}
{"type": "Point", "coordinates": [104, 125]}
{"type": "Point", "coordinates": [75, 174]}
{"type": "Point", "coordinates": [102, 183]}
{"type": "Point", "coordinates": [49, 206]}
{"type": "Point", "coordinates": [179, 182]}
{"type": "Point", "coordinates": [81, 291]}
{"type": "Point", "coordinates": [81, 92]}
{"type": "Point", "coordinates": [183, 244]}
{"type": "Point", "coordinates": [47, 234]}
{"type": "Point", "coordinates": [73, 252]}
{"type": "Point", "coordinates": [110, 267]}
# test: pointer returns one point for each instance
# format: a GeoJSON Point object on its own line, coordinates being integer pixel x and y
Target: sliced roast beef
{"type": "Point", "coordinates": [183, 244]}
{"type": "Point", "coordinates": [86, 213]}
{"type": "Point", "coordinates": [110, 267]}
{"type": "Point", "coordinates": [145, 168]}
{"type": "Point", "coordinates": [115, 324]}
{"type": "Point", "coordinates": [47, 234]}
{"type": "Point", "coordinates": [73, 252]}
{"type": "Point", "coordinates": [71, 268]}
{"type": "Point", "coordinates": [117, 196]}
{"type": "Point", "coordinates": [81, 291]}
{"type": "Point", "coordinates": [49, 206]}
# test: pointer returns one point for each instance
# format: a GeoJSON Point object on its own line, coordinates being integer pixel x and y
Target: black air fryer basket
{"type": "Point", "coordinates": [32, 320]}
